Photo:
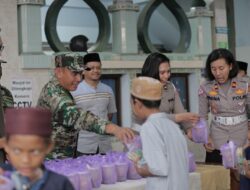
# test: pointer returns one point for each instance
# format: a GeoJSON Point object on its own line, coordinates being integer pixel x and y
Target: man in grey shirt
{"type": "Point", "coordinates": [92, 95]}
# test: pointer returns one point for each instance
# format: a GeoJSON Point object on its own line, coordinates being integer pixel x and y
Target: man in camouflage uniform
{"type": "Point", "coordinates": [6, 94]}
{"type": "Point", "coordinates": [67, 118]}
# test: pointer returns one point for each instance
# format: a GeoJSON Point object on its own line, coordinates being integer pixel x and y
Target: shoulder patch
{"type": "Point", "coordinates": [213, 93]}
{"type": "Point", "coordinates": [240, 91]}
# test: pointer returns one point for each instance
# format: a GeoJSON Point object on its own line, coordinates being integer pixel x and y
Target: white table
{"type": "Point", "coordinates": [126, 185]}
{"type": "Point", "coordinates": [206, 177]}
{"type": "Point", "coordinates": [194, 184]}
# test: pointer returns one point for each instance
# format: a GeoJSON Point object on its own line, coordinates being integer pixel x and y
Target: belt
{"type": "Point", "coordinates": [230, 120]}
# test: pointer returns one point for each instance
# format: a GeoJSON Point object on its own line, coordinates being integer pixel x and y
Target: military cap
{"type": "Point", "coordinates": [72, 61]}
{"type": "Point", "coordinates": [90, 57]}
{"type": "Point", "coordinates": [28, 121]}
{"type": "Point", "coordinates": [146, 88]}
{"type": "Point", "coordinates": [242, 65]}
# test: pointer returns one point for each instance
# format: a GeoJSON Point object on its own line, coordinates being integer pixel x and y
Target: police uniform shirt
{"type": "Point", "coordinates": [171, 103]}
{"type": "Point", "coordinates": [234, 103]}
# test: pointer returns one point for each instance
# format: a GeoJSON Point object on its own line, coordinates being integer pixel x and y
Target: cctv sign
{"type": "Point", "coordinates": [21, 89]}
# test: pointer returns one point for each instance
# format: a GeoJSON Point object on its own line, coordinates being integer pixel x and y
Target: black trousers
{"type": "Point", "coordinates": [216, 158]}
{"type": "Point", "coordinates": [213, 157]}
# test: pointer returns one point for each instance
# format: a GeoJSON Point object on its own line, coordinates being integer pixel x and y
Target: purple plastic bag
{"type": "Point", "coordinates": [109, 174]}
{"type": "Point", "coordinates": [132, 173]}
{"type": "Point", "coordinates": [96, 175]}
{"type": "Point", "coordinates": [191, 162]}
{"type": "Point", "coordinates": [85, 180]}
{"type": "Point", "coordinates": [8, 185]}
{"type": "Point", "coordinates": [121, 165]}
{"type": "Point", "coordinates": [200, 132]}
{"type": "Point", "coordinates": [228, 152]}
{"type": "Point", "coordinates": [135, 147]}
{"type": "Point", "coordinates": [121, 170]}
{"type": "Point", "coordinates": [74, 179]}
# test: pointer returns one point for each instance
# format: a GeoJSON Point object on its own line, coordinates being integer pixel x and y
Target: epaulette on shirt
{"type": "Point", "coordinates": [207, 83]}
{"type": "Point", "coordinates": [245, 80]}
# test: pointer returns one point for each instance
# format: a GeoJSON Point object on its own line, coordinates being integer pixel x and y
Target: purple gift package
{"type": "Point", "coordinates": [228, 152]}
{"type": "Point", "coordinates": [200, 132]}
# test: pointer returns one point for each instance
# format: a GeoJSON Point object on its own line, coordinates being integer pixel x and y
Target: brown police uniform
{"type": "Point", "coordinates": [229, 111]}
{"type": "Point", "coordinates": [171, 103]}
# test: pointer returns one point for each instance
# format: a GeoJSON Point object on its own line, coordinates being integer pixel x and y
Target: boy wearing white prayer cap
{"type": "Point", "coordinates": [164, 147]}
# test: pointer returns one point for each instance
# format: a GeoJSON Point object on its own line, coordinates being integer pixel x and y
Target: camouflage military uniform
{"type": "Point", "coordinates": [8, 101]}
{"type": "Point", "coordinates": [229, 111]}
{"type": "Point", "coordinates": [67, 118]}
{"type": "Point", "coordinates": [171, 103]}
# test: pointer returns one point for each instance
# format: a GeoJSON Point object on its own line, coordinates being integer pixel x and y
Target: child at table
{"type": "Point", "coordinates": [164, 146]}
{"type": "Point", "coordinates": [27, 142]}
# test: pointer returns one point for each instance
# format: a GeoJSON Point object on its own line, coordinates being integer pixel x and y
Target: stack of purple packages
{"type": "Point", "coordinates": [228, 152]}
{"type": "Point", "coordinates": [200, 132]}
{"type": "Point", "coordinates": [191, 162]}
{"type": "Point", "coordinates": [89, 172]}
{"type": "Point", "coordinates": [74, 169]}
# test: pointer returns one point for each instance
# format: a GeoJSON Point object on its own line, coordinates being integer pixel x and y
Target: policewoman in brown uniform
{"type": "Point", "coordinates": [157, 66]}
{"type": "Point", "coordinates": [227, 98]}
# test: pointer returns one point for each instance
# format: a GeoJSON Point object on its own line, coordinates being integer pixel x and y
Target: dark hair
{"type": "Point", "coordinates": [148, 103]}
{"type": "Point", "coordinates": [221, 53]}
{"type": "Point", "coordinates": [242, 65]}
{"type": "Point", "coordinates": [78, 43]}
{"type": "Point", "coordinates": [152, 63]}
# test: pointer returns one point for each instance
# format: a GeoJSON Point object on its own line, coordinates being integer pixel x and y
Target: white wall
{"type": "Point", "coordinates": [125, 103]}
{"type": "Point", "coordinates": [242, 30]}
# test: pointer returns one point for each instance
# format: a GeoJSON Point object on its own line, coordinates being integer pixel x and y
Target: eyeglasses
{"type": "Point", "coordinates": [92, 68]}
{"type": "Point", "coordinates": [87, 69]}
{"type": "Point", "coordinates": [1, 47]}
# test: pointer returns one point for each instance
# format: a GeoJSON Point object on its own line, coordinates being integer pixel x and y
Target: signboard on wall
{"type": "Point", "coordinates": [21, 89]}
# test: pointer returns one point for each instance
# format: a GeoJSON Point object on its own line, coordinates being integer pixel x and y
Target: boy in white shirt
{"type": "Point", "coordinates": [164, 147]}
